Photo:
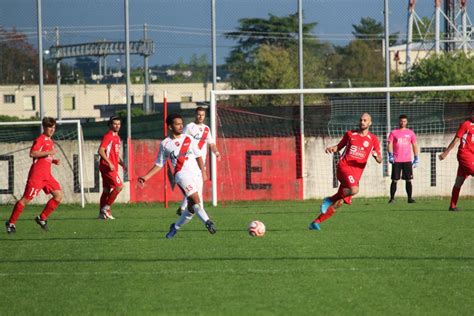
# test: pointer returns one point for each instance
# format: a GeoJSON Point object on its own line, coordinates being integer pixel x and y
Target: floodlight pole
{"type": "Point", "coordinates": [58, 82]}
{"type": "Point", "coordinates": [213, 102]}
{"type": "Point", "coordinates": [40, 58]}
{"type": "Point", "coordinates": [147, 75]}
{"type": "Point", "coordinates": [387, 71]}
{"type": "Point", "coordinates": [301, 80]}
{"type": "Point", "coordinates": [127, 89]}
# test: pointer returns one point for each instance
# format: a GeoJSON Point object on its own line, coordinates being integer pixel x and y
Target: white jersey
{"type": "Point", "coordinates": [182, 152]}
{"type": "Point", "coordinates": [202, 135]}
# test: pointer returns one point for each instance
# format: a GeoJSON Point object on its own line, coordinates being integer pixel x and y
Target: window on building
{"type": "Point", "coordinates": [186, 97]}
{"type": "Point", "coordinates": [69, 103]}
{"type": "Point", "coordinates": [29, 103]}
{"type": "Point", "coordinates": [8, 98]}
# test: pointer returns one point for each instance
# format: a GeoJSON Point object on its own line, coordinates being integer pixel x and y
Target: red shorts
{"type": "Point", "coordinates": [34, 186]}
{"type": "Point", "coordinates": [349, 176]}
{"type": "Point", "coordinates": [110, 179]}
{"type": "Point", "coordinates": [466, 167]}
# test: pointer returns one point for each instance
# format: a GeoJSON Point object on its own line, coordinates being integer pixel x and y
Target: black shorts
{"type": "Point", "coordinates": [405, 168]}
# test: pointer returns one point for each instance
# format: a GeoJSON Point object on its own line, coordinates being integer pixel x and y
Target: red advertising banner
{"type": "Point", "coordinates": [250, 169]}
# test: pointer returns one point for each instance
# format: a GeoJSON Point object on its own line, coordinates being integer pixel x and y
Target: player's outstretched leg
{"type": "Point", "coordinates": [173, 230]}
{"type": "Point", "coordinates": [202, 214]}
{"type": "Point", "coordinates": [185, 218]}
{"type": "Point", "coordinates": [51, 206]}
{"type": "Point", "coordinates": [455, 193]}
{"type": "Point", "coordinates": [315, 224]}
{"type": "Point", "coordinates": [17, 210]}
{"type": "Point", "coordinates": [325, 205]}
{"type": "Point", "coordinates": [11, 228]}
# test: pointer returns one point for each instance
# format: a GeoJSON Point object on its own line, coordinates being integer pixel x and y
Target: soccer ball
{"type": "Point", "coordinates": [256, 229]}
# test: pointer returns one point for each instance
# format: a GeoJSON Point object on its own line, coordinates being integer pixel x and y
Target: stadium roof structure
{"type": "Point", "coordinates": [142, 47]}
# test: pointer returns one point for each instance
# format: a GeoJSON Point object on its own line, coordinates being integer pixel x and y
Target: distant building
{"type": "Point", "coordinates": [96, 102]}
{"type": "Point", "coordinates": [418, 52]}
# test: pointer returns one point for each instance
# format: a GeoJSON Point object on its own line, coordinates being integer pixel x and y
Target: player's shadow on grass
{"type": "Point", "coordinates": [210, 259]}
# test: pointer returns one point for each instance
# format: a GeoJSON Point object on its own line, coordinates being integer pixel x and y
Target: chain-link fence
{"type": "Point", "coordinates": [257, 47]}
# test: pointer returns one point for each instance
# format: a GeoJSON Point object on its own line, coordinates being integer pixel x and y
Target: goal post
{"type": "Point", "coordinates": [15, 142]}
{"type": "Point", "coordinates": [223, 96]}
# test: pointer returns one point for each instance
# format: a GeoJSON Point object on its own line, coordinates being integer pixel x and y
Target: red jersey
{"type": "Point", "coordinates": [466, 134]}
{"type": "Point", "coordinates": [41, 167]}
{"type": "Point", "coordinates": [111, 143]}
{"type": "Point", "coordinates": [358, 148]}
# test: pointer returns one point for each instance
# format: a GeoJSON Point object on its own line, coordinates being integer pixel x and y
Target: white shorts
{"type": "Point", "coordinates": [189, 183]}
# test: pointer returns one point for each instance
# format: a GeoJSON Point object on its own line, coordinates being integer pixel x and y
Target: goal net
{"type": "Point", "coordinates": [16, 139]}
{"type": "Point", "coordinates": [269, 152]}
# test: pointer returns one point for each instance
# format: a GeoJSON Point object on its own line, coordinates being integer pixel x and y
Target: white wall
{"type": "Point", "coordinates": [319, 172]}
{"type": "Point", "coordinates": [64, 173]}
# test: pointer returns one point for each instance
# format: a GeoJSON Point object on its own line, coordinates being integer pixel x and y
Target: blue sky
{"type": "Point", "coordinates": [181, 28]}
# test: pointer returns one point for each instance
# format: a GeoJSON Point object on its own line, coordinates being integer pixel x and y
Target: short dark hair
{"type": "Point", "coordinates": [112, 119]}
{"type": "Point", "coordinates": [48, 121]}
{"type": "Point", "coordinates": [171, 117]}
{"type": "Point", "coordinates": [200, 109]}
{"type": "Point", "coordinates": [403, 116]}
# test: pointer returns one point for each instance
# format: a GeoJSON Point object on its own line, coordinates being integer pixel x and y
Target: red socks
{"type": "Point", "coordinates": [454, 196]}
{"type": "Point", "coordinates": [48, 209]}
{"type": "Point", "coordinates": [338, 196]}
{"type": "Point", "coordinates": [103, 199]}
{"type": "Point", "coordinates": [17, 209]}
{"type": "Point", "coordinates": [329, 213]}
{"type": "Point", "coordinates": [112, 196]}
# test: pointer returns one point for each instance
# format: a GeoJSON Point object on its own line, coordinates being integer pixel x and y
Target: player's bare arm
{"type": "Point", "coordinates": [331, 150]}
{"type": "Point", "coordinates": [453, 143]}
{"type": "Point", "coordinates": [103, 155]}
{"type": "Point", "coordinates": [415, 149]}
{"type": "Point", "coordinates": [41, 154]}
{"type": "Point", "coordinates": [154, 170]}
{"type": "Point", "coordinates": [200, 163]}
{"type": "Point", "coordinates": [377, 157]}
{"type": "Point", "coordinates": [214, 150]}
{"type": "Point", "coordinates": [124, 167]}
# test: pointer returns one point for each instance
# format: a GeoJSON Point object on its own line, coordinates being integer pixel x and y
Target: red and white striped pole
{"type": "Point", "coordinates": [165, 128]}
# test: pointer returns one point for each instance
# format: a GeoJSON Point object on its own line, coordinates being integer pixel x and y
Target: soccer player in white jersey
{"type": "Point", "coordinates": [202, 134]}
{"type": "Point", "coordinates": [189, 172]}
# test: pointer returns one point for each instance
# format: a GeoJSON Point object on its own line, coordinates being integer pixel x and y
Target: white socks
{"type": "Point", "coordinates": [184, 219]}
{"type": "Point", "coordinates": [201, 213]}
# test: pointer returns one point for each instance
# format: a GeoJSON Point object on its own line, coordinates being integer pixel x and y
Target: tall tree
{"type": "Point", "coordinates": [372, 31]}
{"type": "Point", "coordinates": [447, 69]}
{"type": "Point", "coordinates": [18, 58]}
{"type": "Point", "coordinates": [266, 55]}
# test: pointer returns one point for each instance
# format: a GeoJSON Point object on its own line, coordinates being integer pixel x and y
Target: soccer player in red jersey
{"type": "Point", "coordinates": [359, 146]}
{"type": "Point", "coordinates": [40, 178]}
{"type": "Point", "coordinates": [109, 152]}
{"type": "Point", "coordinates": [464, 135]}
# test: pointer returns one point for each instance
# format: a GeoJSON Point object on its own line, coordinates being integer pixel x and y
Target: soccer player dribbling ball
{"type": "Point", "coordinates": [40, 178]}
{"type": "Point", "coordinates": [109, 152]}
{"type": "Point", "coordinates": [358, 146]}
{"type": "Point", "coordinates": [202, 134]}
{"type": "Point", "coordinates": [465, 137]}
{"type": "Point", "coordinates": [189, 172]}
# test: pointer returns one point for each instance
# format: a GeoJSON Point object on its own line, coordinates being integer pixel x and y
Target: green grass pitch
{"type": "Point", "coordinates": [370, 258]}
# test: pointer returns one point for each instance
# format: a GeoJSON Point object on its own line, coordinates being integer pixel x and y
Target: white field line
{"type": "Point", "coordinates": [232, 271]}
